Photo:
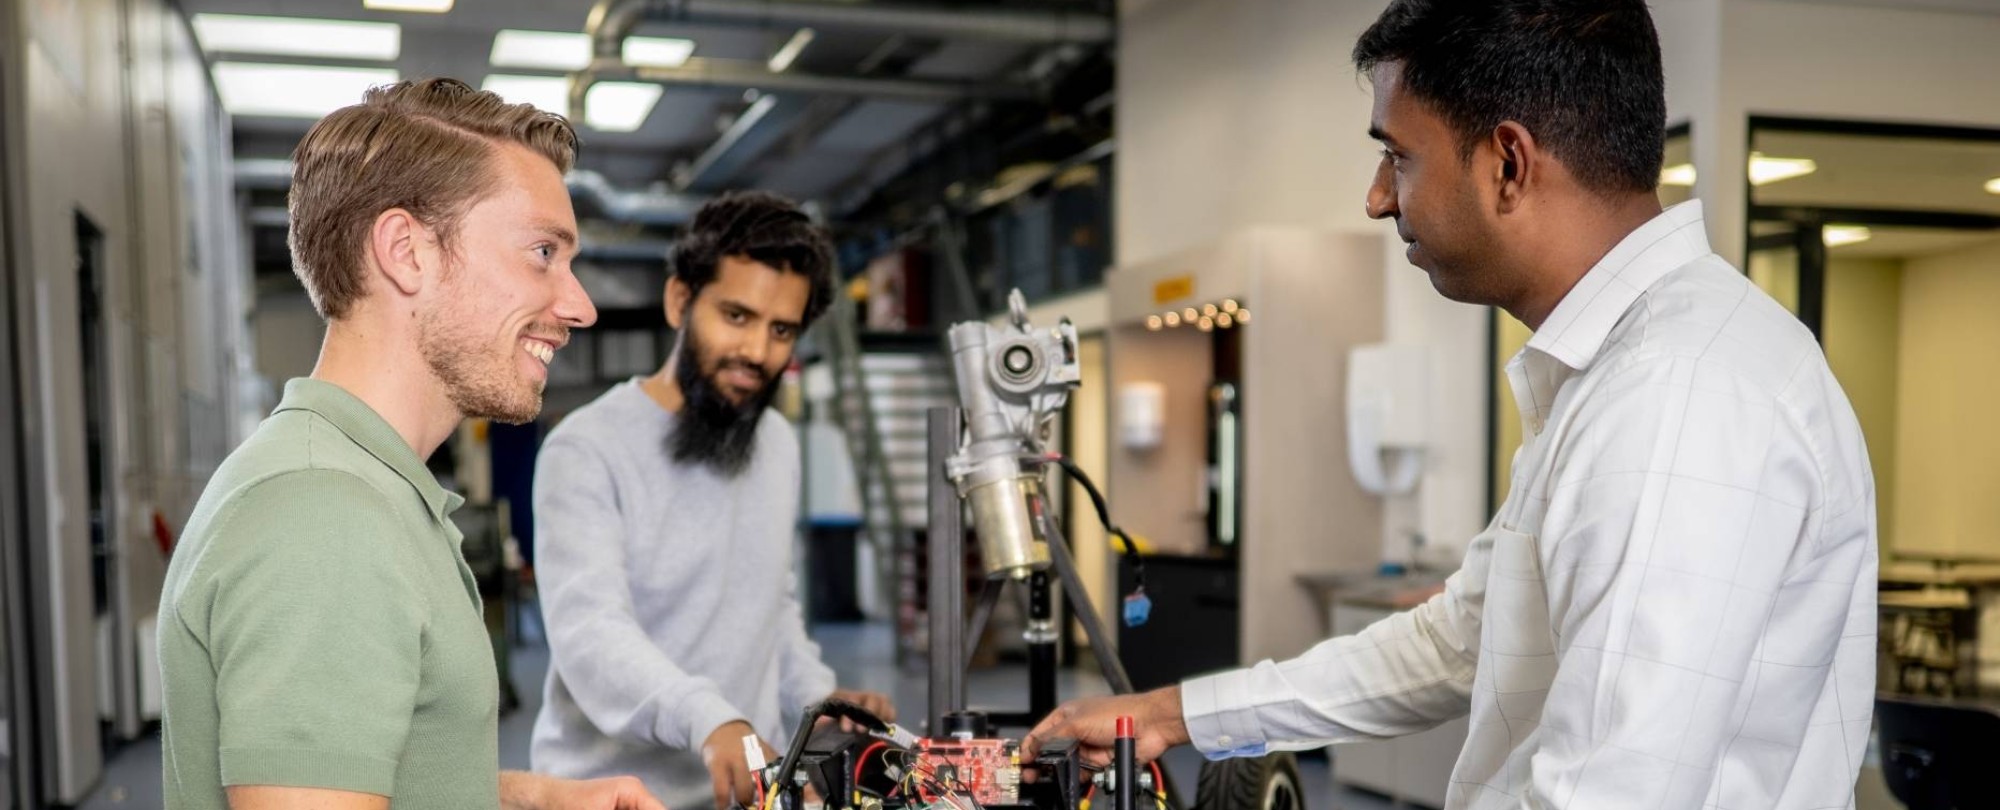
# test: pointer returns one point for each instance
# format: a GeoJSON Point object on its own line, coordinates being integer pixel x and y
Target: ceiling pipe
{"type": "Point", "coordinates": [735, 75]}
{"type": "Point", "coordinates": [613, 20]}
{"type": "Point", "coordinates": [649, 207]}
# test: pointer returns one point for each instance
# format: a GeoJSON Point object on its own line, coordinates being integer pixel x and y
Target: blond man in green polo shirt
{"type": "Point", "coordinates": [320, 635]}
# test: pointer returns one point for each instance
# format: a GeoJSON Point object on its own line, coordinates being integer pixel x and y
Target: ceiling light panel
{"type": "Point", "coordinates": [545, 50]}
{"type": "Point", "coordinates": [1837, 235]}
{"type": "Point", "coordinates": [790, 52]}
{"type": "Point", "coordinates": [1765, 170]}
{"type": "Point", "coordinates": [667, 52]}
{"type": "Point", "coordinates": [1993, 186]}
{"type": "Point", "coordinates": [427, 6]}
{"type": "Point", "coordinates": [620, 106]}
{"type": "Point", "coordinates": [550, 93]}
{"type": "Point", "coordinates": [561, 50]}
{"type": "Point", "coordinates": [298, 36]}
{"type": "Point", "coordinates": [1677, 175]}
{"type": "Point", "coordinates": [294, 91]}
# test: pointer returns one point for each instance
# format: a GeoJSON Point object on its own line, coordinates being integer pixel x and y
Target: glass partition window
{"type": "Point", "coordinates": [1885, 241]}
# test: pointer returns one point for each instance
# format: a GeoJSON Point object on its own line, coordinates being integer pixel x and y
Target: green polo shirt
{"type": "Point", "coordinates": [319, 627]}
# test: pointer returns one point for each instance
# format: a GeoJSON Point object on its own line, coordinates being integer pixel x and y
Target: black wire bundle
{"type": "Point", "coordinates": [1104, 516]}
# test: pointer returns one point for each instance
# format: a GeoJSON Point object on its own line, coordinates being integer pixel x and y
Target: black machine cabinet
{"type": "Point", "coordinates": [1194, 628]}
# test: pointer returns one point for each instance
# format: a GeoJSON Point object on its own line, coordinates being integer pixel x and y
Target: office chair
{"type": "Point", "coordinates": [1932, 756]}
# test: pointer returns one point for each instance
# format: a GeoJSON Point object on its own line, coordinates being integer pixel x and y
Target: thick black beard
{"type": "Point", "coordinates": [711, 429]}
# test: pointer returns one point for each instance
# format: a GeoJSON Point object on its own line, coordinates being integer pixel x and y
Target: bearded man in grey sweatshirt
{"type": "Point", "coordinates": [664, 517]}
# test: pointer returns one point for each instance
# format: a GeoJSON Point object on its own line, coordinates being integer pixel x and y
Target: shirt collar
{"type": "Point", "coordinates": [366, 428]}
{"type": "Point", "coordinates": [1575, 332]}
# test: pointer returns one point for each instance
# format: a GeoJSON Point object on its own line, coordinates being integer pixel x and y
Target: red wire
{"type": "Point", "coordinates": [863, 759]}
{"type": "Point", "coordinates": [1159, 781]}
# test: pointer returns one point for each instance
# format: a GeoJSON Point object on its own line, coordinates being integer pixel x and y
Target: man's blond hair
{"type": "Point", "coordinates": [427, 147]}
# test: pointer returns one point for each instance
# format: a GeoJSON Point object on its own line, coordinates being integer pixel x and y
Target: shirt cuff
{"type": "Point", "coordinates": [1221, 717]}
{"type": "Point", "coordinates": [699, 716]}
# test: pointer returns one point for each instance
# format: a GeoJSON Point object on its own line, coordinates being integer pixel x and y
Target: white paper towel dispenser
{"type": "Point", "coordinates": [1387, 416]}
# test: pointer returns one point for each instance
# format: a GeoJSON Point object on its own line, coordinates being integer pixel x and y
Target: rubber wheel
{"type": "Point", "coordinates": [1269, 782]}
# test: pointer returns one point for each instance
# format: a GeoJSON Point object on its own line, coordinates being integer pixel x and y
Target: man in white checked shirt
{"type": "Point", "coordinates": [1675, 606]}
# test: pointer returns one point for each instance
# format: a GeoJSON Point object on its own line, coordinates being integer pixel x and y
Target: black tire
{"type": "Point", "coordinates": [1269, 782]}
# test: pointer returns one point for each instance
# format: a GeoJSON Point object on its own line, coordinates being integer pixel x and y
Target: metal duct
{"type": "Point", "coordinates": [736, 76]}
{"type": "Point", "coordinates": [612, 20]}
{"type": "Point", "coordinates": [645, 207]}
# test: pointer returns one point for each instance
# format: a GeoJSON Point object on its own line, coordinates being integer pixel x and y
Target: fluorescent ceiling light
{"type": "Point", "coordinates": [620, 106]}
{"type": "Point", "coordinates": [550, 93]}
{"type": "Point", "coordinates": [1993, 186]}
{"type": "Point", "coordinates": [1837, 235]}
{"type": "Point", "coordinates": [549, 50]}
{"type": "Point", "coordinates": [668, 52]}
{"type": "Point", "coordinates": [430, 6]}
{"type": "Point", "coordinates": [1679, 175]}
{"type": "Point", "coordinates": [790, 52]}
{"type": "Point", "coordinates": [300, 91]}
{"type": "Point", "coordinates": [1767, 170]}
{"type": "Point", "coordinates": [561, 50]}
{"type": "Point", "coordinates": [298, 36]}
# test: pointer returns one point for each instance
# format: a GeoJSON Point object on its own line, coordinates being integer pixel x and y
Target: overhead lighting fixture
{"type": "Point", "coordinates": [620, 106]}
{"type": "Point", "coordinates": [1837, 235]}
{"type": "Point", "coordinates": [298, 36]}
{"type": "Point", "coordinates": [1993, 186]}
{"type": "Point", "coordinates": [546, 50]}
{"type": "Point", "coordinates": [1154, 322]}
{"type": "Point", "coordinates": [549, 93]}
{"type": "Point", "coordinates": [667, 52]}
{"type": "Point", "coordinates": [560, 50]}
{"type": "Point", "coordinates": [790, 52]}
{"type": "Point", "coordinates": [1677, 175]}
{"type": "Point", "coordinates": [294, 91]}
{"type": "Point", "coordinates": [1766, 170]}
{"type": "Point", "coordinates": [426, 6]}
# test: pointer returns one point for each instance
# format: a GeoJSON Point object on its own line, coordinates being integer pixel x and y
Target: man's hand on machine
{"type": "Point", "coordinates": [874, 703]}
{"type": "Point", "coordinates": [1093, 723]}
{"type": "Point", "coordinates": [722, 752]}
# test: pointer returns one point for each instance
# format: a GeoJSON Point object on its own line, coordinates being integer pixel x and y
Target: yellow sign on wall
{"type": "Point", "coordinates": [1173, 289]}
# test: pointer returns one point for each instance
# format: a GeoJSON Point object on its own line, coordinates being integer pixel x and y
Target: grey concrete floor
{"type": "Point", "coordinates": [863, 655]}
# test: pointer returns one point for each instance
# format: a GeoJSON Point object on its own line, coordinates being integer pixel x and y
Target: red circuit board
{"type": "Point", "coordinates": [986, 770]}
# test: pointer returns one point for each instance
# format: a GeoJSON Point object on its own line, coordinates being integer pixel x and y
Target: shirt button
{"type": "Point", "coordinates": [1224, 740]}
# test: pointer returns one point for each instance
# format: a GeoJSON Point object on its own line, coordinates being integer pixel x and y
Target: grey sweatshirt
{"type": "Point", "coordinates": [669, 598]}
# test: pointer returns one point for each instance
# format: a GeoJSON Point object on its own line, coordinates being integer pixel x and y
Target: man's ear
{"type": "Point", "coordinates": [676, 301]}
{"type": "Point", "coordinates": [402, 249]}
{"type": "Point", "coordinates": [1519, 165]}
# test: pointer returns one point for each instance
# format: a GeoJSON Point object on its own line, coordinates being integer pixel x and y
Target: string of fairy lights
{"type": "Point", "coordinates": [1225, 314]}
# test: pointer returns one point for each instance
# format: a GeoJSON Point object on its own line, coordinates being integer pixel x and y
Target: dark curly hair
{"type": "Point", "coordinates": [764, 228]}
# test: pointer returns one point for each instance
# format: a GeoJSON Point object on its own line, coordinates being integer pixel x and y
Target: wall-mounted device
{"type": "Point", "coordinates": [1387, 416]}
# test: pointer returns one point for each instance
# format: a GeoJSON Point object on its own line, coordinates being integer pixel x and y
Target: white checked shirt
{"type": "Point", "coordinates": [1675, 607]}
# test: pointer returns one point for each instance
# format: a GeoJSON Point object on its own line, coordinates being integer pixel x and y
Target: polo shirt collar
{"type": "Point", "coordinates": [366, 428]}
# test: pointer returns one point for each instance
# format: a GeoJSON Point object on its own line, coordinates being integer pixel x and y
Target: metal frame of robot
{"type": "Point", "coordinates": [965, 766]}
